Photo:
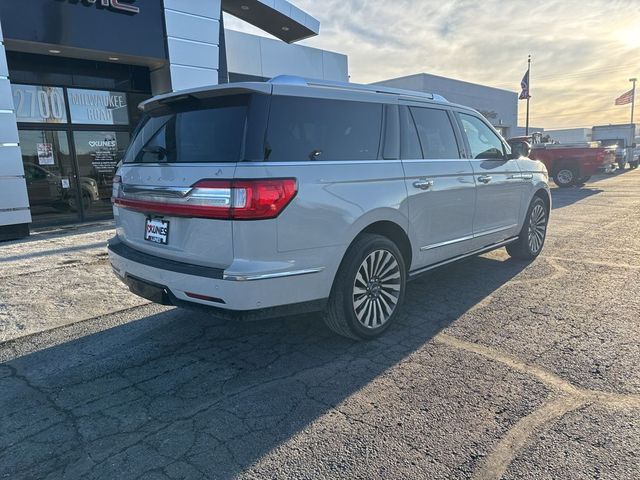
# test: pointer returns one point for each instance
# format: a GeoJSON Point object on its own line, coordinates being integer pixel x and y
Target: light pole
{"type": "Point", "coordinates": [633, 96]}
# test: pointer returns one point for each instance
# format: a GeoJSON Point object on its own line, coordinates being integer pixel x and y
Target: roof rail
{"type": "Point", "coordinates": [289, 80]}
{"type": "Point", "coordinates": [307, 82]}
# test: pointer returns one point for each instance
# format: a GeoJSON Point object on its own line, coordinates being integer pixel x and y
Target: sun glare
{"type": "Point", "coordinates": [631, 37]}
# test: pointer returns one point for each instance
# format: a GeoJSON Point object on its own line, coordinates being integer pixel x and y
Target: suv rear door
{"type": "Point", "coordinates": [440, 186]}
{"type": "Point", "coordinates": [180, 144]}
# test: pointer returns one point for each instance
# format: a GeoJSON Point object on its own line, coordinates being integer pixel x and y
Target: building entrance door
{"type": "Point", "coordinates": [97, 155]}
{"type": "Point", "coordinates": [51, 176]}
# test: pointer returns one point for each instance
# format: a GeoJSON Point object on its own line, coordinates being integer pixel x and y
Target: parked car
{"type": "Point", "coordinates": [568, 164]}
{"type": "Point", "coordinates": [255, 199]}
{"type": "Point", "coordinates": [46, 188]}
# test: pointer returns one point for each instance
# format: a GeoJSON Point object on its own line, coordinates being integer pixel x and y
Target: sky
{"type": "Point", "coordinates": [583, 51]}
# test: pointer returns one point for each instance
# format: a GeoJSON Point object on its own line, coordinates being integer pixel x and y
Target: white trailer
{"type": "Point", "coordinates": [622, 137]}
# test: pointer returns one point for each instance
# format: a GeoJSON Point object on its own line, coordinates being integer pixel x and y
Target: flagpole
{"type": "Point", "coordinates": [633, 96]}
{"type": "Point", "coordinates": [526, 133]}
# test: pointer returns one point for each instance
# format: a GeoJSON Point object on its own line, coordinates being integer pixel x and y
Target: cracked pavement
{"type": "Point", "coordinates": [496, 369]}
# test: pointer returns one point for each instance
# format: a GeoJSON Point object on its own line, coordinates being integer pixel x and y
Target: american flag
{"type": "Point", "coordinates": [625, 98]}
{"type": "Point", "coordinates": [524, 84]}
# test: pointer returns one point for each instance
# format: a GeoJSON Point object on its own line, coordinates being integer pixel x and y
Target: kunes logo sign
{"type": "Point", "coordinates": [118, 5]}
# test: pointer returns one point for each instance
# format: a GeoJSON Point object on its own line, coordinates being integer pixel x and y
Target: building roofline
{"type": "Point", "coordinates": [424, 74]}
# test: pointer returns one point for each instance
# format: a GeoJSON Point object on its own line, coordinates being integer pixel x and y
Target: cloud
{"type": "Point", "coordinates": [584, 51]}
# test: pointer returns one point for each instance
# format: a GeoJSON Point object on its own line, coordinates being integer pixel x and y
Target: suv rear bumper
{"type": "Point", "coordinates": [175, 283]}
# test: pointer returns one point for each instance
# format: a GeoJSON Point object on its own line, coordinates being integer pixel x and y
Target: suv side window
{"type": "Point", "coordinates": [409, 142]}
{"type": "Point", "coordinates": [484, 143]}
{"type": "Point", "coordinates": [436, 133]}
{"type": "Point", "coordinates": [319, 129]}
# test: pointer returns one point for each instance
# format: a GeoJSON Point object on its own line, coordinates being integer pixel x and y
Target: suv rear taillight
{"type": "Point", "coordinates": [255, 199]}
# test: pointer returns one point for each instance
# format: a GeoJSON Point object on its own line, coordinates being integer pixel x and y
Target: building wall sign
{"type": "Point", "coordinates": [34, 104]}
{"type": "Point", "coordinates": [117, 5]}
{"type": "Point", "coordinates": [109, 26]}
{"type": "Point", "coordinates": [44, 104]}
{"type": "Point", "coordinates": [98, 107]}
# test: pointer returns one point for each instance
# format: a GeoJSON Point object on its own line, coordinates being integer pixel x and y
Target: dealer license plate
{"type": "Point", "coordinates": [156, 230]}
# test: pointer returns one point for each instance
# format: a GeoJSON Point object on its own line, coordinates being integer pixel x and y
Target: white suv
{"type": "Point", "coordinates": [262, 199]}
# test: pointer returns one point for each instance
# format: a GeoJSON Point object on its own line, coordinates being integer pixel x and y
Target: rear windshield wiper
{"type": "Point", "coordinates": [156, 150]}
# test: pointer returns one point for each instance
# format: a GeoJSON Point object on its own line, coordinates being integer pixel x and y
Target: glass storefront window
{"type": "Point", "coordinates": [98, 107]}
{"type": "Point", "coordinates": [35, 104]}
{"type": "Point", "coordinates": [69, 168]}
{"type": "Point", "coordinates": [98, 154]}
{"type": "Point", "coordinates": [50, 177]}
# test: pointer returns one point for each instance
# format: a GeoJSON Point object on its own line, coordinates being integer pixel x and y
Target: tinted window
{"type": "Point", "coordinates": [483, 141]}
{"type": "Point", "coordinates": [317, 129]}
{"type": "Point", "coordinates": [436, 133]}
{"type": "Point", "coordinates": [211, 134]}
{"type": "Point", "coordinates": [409, 143]}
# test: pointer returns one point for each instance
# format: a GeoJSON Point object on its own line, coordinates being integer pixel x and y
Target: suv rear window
{"type": "Point", "coordinates": [214, 133]}
{"type": "Point", "coordinates": [320, 129]}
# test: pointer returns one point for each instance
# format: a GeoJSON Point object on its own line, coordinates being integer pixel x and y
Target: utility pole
{"type": "Point", "coordinates": [526, 133]}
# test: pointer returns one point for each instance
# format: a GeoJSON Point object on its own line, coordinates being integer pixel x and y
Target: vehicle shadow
{"type": "Point", "coordinates": [212, 396]}
{"type": "Point", "coordinates": [563, 197]}
{"type": "Point", "coordinates": [603, 177]}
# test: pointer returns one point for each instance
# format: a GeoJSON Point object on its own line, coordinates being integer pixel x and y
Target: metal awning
{"type": "Point", "coordinates": [277, 17]}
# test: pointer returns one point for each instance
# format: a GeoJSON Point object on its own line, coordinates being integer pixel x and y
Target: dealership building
{"type": "Point", "coordinates": [72, 73]}
{"type": "Point", "coordinates": [499, 107]}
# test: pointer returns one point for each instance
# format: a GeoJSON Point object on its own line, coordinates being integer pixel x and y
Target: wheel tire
{"type": "Point", "coordinates": [533, 234]}
{"type": "Point", "coordinates": [354, 302]}
{"type": "Point", "coordinates": [633, 165]}
{"type": "Point", "coordinates": [621, 165]}
{"type": "Point", "coordinates": [566, 176]}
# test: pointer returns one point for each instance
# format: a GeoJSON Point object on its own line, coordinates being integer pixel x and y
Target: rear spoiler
{"type": "Point", "coordinates": [204, 93]}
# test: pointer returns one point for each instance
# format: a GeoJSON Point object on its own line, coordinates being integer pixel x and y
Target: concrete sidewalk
{"type": "Point", "coordinates": [57, 277]}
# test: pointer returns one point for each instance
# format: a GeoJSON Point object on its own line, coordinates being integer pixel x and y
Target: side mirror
{"type": "Point", "coordinates": [520, 149]}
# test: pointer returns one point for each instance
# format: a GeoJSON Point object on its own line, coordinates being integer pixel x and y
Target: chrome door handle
{"type": "Point", "coordinates": [485, 178]}
{"type": "Point", "coordinates": [423, 184]}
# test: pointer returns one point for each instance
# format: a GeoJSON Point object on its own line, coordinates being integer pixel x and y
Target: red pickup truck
{"type": "Point", "coordinates": [570, 164]}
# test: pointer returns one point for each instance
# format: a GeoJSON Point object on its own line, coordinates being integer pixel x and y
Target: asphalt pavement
{"type": "Point", "coordinates": [497, 369]}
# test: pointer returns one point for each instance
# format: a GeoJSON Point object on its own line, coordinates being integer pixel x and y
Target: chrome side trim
{"type": "Point", "coordinates": [444, 244]}
{"type": "Point", "coordinates": [157, 191]}
{"type": "Point", "coordinates": [310, 163]}
{"type": "Point", "coordinates": [467, 237]}
{"type": "Point", "coordinates": [460, 257]}
{"type": "Point", "coordinates": [247, 278]}
{"type": "Point", "coordinates": [494, 230]}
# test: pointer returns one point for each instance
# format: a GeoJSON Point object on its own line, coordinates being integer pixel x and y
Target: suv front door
{"type": "Point", "coordinates": [440, 187]}
{"type": "Point", "coordinates": [499, 183]}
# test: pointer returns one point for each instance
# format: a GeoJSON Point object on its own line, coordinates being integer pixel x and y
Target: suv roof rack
{"type": "Point", "coordinates": [308, 82]}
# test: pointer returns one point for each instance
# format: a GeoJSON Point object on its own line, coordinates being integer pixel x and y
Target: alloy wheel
{"type": "Point", "coordinates": [565, 176]}
{"type": "Point", "coordinates": [376, 289]}
{"type": "Point", "coordinates": [537, 228]}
